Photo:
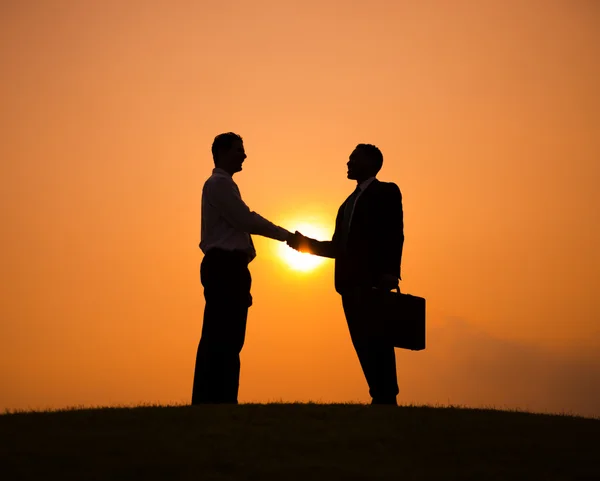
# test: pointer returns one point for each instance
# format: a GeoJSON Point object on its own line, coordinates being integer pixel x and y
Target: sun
{"type": "Point", "coordinates": [302, 261]}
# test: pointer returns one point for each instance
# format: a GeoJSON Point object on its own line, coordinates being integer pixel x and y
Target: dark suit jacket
{"type": "Point", "coordinates": [374, 242]}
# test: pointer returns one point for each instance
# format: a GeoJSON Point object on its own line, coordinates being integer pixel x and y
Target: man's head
{"type": "Point", "coordinates": [228, 152]}
{"type": "Point", "coordinates": [365, 161]}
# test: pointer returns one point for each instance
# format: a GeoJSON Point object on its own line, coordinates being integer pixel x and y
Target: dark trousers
{"type": "Point", "coordinates": [375, 351]}
{"type": "Point", "coordinates": [226, 280]}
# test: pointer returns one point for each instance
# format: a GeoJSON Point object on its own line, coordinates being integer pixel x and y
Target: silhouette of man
{"type": "Point", "coordinates": [227, 224]}
{"type": "Point", "coordinates": [367, 248]}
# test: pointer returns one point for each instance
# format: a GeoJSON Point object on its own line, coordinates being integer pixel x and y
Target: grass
{"type": "Point", "coordinates": [297, 442]}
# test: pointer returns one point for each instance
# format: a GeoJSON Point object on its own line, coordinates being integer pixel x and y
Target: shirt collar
{"type": "Point", "coordinates": [219, 171]}
{"type": "Point", "coordinates": [365, 183]}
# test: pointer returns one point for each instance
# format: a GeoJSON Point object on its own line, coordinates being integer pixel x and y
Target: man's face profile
{"type": "Point", "coordinates": [359, 165]}
{"type": "Point", "coordinates": [232, 159]}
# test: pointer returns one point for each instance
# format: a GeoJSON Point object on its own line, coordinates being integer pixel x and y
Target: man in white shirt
{"type": "Point", "coordinates": [226, 228]}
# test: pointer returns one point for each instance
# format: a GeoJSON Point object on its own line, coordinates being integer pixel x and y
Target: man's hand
{"type": "Point", "coordinates": [298, 241]}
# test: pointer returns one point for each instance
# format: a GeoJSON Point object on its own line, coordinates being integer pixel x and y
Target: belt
{"type": "Point", "coordinates": [238, 255]}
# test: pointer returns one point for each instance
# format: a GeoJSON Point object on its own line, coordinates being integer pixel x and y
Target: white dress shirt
{"type": "Point", "coordinates": [227, 222]}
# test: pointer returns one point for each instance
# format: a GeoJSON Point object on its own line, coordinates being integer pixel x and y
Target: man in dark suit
{"type": "Point", "coordinates": [367, 248]}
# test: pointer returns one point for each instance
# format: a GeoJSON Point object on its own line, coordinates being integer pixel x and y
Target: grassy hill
{"type": "Point", "coordinates": [297, 442]}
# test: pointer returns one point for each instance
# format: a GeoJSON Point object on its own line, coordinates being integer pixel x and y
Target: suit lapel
{"type": "Point", "coordinates": [361, 209]}
{"type": "Point", "coordinates": [360, 205]}
{"type": "Point", "coordinates": [364, 199]}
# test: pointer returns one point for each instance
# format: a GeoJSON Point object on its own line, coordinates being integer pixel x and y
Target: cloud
{"type": "Point", "coordinates": [465, 365]}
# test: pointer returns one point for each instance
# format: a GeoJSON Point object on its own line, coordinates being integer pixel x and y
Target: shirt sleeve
{"type": "Point", "coordinates": [222, 194]}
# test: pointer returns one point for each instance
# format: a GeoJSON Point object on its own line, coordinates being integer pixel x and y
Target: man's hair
{"type": "Point", "coordinates": [224, 142]}
{"type": "Point", "coordinates": [374, 154]}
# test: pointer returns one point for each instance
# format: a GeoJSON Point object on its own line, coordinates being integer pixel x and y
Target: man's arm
{"type": "Point", "coordinates": [391, 237]}
{"type": "Point", "coordinates": [223, 195]}
{"type": "Point", "coordinates": [313, 246]}
{"type": "Point", "coordinates": [317, 248]}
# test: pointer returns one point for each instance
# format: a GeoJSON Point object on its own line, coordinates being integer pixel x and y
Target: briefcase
{"type": "Point", "coordinates": [404, 319]}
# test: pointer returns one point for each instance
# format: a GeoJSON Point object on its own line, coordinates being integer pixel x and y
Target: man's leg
{"type": "Point", "coordinates": [229, 355]}
{"type": "Point", "coordinates": [206, 374]}
{"type": "Point", "coordinates": [226, 283]}
{"type": "Point", "coordinates": [375, 352]}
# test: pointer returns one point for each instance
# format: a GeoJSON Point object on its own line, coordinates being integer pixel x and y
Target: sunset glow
{"type": "Point", "coordinates": [487, 115]}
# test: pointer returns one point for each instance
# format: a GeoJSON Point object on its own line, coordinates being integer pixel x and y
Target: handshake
{"type": "Point", "coordinates": [299, 242]}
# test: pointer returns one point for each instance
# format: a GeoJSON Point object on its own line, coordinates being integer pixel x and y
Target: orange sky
{"type": "Point", "coordinates": [488, 116]}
